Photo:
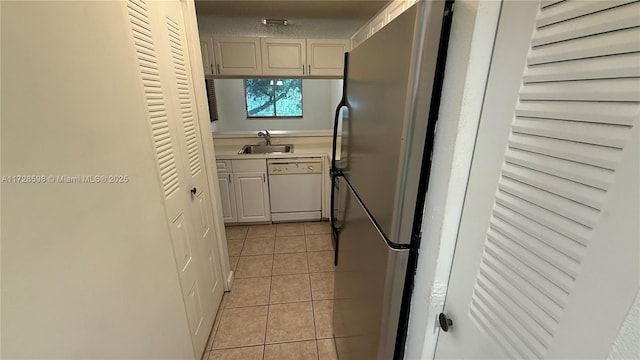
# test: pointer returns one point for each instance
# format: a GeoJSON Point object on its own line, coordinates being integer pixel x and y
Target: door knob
{"type": "Point", "coordinates": [445, 322]}
{"type": "Point", "coordinates": [194, 191]}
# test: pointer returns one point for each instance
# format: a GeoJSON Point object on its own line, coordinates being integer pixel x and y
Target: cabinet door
{"type": "Point", "coordinates": [362, 35]}
{"type": "Point", "coordinates": [378, 22]}
{"type": "Point", "coordinates": [325, 57]}
{"type": "Point", "coordinates": [283, 57]}
{"type": "Point", "coordinates": [237, 55]}
{"type": "Point", "coordinates": [228, 198]}
{"type": "Point", "coordinates": [206, 47]}
{"type": "Point", "coordinates": [395, 8]}
{"type": "Point", "coordinates": [252, 196]}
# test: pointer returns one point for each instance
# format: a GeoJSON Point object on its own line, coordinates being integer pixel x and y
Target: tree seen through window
{"type": "Point", "coordinates": [273, 97]}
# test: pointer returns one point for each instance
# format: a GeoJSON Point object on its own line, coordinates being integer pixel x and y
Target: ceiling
{"type": "Point", "coordinates": [307, 18]}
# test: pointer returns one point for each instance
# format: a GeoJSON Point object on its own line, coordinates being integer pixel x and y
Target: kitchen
{"type": "Point", "coordinates": [531, 181]}
{"type": "Point", "coordinates": [289, 187]}
{"type": "Point", "coordinates": [239, 69]}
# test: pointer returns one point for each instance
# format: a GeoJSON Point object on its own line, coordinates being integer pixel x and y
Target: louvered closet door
{"type": "Point", "coordinates": [193, 157]}
{"type": "Point", "coordinates": [159, 35]}
{"type": "Point", "coordinates": [546, 261]}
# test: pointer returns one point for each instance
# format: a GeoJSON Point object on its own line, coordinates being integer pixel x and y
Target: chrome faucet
{"type": "Point", "coordinates": [266, 135]}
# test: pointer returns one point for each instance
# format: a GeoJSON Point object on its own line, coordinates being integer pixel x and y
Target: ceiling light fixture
{"type": "Point", "coordinates": [283, 22]}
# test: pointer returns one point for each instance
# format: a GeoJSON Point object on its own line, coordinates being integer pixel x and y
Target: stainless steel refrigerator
{"type": "Point", "coordinates": [380, 170]}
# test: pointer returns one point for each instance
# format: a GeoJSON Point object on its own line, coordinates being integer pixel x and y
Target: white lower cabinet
{"type": "Point", "coordinates": [244, 190]}
{"type": "Point", "coordinates": [228, 198]}
{"type": "Point", "coordinates": [252, 196]}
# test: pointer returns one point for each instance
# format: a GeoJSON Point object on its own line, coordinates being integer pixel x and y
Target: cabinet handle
{"type": "Point", "coordinates": [194, 191]}
{"type": "Point", "coordinates": [309, 72]}
{"type": "Point", "coordinates": [212, 71]}
{"type": "Point", "coordinates": [303, 69]}
{"type": "Point", "coordinates": [229, 175]}
{"type": "Point", "coordinates": [218, 67]}
{"type": "Point", "coordinates": [264, 178]}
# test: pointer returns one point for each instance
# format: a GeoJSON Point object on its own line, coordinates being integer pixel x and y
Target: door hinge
{"type": "Point", "coordinates": [415, 239]}
{"type": "Point", "coordinates": [448, 11]}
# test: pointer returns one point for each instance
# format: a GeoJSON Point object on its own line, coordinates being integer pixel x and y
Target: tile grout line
{"type": "Point", "coordinates": [223, 306]}
{"type": "Point", "coordinates": [266, 323]}
{"type": "Point", "coordinates": [306, 252]}
{"type": "Point", "coordinates": [313, 312]}
{"type": "Point", "coordinates": [263, 345]}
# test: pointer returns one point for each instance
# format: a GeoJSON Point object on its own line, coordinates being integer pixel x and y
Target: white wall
{"type": "Point", "coordinates": [319, 100]}
{"type": "Point", "coordinates": [469, 54]}
{"type": "Point", "coordinates": [87, 269]}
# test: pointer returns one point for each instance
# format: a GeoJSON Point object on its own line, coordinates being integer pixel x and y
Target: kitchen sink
{"type": "Point", "coordinates": [266, 149]}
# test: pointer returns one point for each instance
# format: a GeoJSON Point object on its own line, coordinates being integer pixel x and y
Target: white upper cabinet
{"type": "Point", "coordinates": [360, 36]}
{"type": "Point", "coordinates": [208, 63]}
{"type": "Point", "coordinates": [395, 8]}
{"type": "Point", "coordinates": [325, 57]}
{"type": "Point", "coordinates": [283, 57]}
{"type": "Point", "coordinates": [378, 22]}
{"type": "Point", "coordinates": [252, 56]}
{"type": "Point", "coordinates": [237, 55]}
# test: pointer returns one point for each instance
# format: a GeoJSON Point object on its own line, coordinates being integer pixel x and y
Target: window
{"type": "Point", "coordinates": [273, 98]}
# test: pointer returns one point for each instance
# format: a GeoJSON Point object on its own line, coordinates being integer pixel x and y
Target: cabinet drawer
{"type": "Point", "coordinates": [223, 165]}
{"type": "Point", "coordinates": [249, 165]}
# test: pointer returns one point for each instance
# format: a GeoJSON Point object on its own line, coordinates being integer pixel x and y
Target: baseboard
{"type": "Point", "coordinates": [230, 280]}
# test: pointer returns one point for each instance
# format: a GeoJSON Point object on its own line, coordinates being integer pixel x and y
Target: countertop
{"type": "Point", "coordinates": [231, 152]}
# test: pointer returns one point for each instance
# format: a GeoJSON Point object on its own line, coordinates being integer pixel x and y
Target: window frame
{"type": "Point", "coordinates": [275, 109]}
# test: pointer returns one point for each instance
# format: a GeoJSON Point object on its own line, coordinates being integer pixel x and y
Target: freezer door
{"type": "Point", "coordinates": [373, 135]}
{"type": "Point", "coordinates": [389, 86]}
{"type": "Point", "coordinates": [369, 280]}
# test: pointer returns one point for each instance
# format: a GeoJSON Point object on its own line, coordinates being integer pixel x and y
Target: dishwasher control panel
{"type": "Point", "coordinates": [287, 167]}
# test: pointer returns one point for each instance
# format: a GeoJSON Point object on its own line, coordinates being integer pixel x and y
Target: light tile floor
{"type": "Point", "coordinates": [281, 304]}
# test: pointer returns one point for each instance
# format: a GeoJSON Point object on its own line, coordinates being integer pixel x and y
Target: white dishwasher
{"type": "Point", "coordinates": [295, 189]}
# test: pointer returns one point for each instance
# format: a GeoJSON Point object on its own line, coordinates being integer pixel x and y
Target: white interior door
{"type": "Point", "coordinates": [189, 137]}
{"type": "Point", "coordinates": [546, 261]}
{"type": "Point", "coordinates": [158, 32]}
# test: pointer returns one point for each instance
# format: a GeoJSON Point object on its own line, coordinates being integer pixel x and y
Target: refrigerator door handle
{"type": "Point", "coordinates": [334, 168]}
{"type": "Point", "coordinates": [343, 103]}
{"type": "Point", "coordinates": [335, 231]}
